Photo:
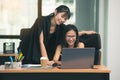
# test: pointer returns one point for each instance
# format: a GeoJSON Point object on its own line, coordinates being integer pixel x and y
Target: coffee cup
{"type": "Point", "coordinates": [43, 61]}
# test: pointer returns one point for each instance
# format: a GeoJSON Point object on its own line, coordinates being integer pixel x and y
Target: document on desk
{"type": "Point", "coordinates": [35, 66]}
{"type": "Point", "coordinates": [31, 66]}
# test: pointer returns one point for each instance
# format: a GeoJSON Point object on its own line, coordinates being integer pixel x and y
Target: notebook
{"type": "Point", "coordinates": [77, 58]}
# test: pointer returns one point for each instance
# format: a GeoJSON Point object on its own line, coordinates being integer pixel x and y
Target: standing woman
{"type": "Point", "coordinates": [44, 36]}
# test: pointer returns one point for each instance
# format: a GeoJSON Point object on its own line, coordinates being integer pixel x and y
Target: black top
{"type": "Point", "coordinates": [31, 47]}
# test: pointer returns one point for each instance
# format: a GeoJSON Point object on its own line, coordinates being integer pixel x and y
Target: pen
{"type": "Point", "coordinates": [22, 58]}
{"type": "Point", "coordinates": [20, 55]}
{"type": "Point", "coordinates": [11, 59]}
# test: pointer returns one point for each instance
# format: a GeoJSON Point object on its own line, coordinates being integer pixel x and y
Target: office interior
{"type": "Point", "coordinates": [102, 16]}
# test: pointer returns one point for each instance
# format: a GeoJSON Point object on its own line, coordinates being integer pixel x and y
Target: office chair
{"type": "Point", "coordinates": [93, 40]}
{"type": "Point", "coordinates": [24, 33]}
{"type": "Point", "coordinates": [24, 37]}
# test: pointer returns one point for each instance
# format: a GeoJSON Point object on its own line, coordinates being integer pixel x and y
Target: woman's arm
{"type": "Point", "coordinates": [42, 46]}
{"type": "Point", "coordinates": [86, 32]}
{"type": "Point", "coordinates": [57, 53]}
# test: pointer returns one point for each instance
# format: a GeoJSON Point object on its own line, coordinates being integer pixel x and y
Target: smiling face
{"type": "Point", "coordinates": [60, 18]}
{"type": "Point", "coordinates": [71, 38]}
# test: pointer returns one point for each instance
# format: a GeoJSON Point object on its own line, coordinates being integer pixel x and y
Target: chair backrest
{"type": "Point", "coordinates": [24, 33]}
{"type": "Point", "coordinates": [92, 40]}
{"type": "Point", "coordinates": [24, 43]}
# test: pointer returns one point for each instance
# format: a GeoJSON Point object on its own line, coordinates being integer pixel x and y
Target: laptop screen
{"type": "Point", "coordinates": [77, 58]}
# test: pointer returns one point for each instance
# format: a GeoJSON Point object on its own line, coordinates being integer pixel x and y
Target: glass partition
{"type": "Point", "coordinates": [14, 15]}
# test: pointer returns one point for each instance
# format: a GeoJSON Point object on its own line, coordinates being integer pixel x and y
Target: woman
{"type": "Point", "coordinates": [70, 40]}
{"type": "Point", "coordinates": [44, 36]}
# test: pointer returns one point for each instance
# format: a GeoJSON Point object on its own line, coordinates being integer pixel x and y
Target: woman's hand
{"type": "Point", "coordinates": [50, 63]}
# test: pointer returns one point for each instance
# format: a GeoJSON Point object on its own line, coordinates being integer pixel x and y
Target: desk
{"type": "Point", "coordinates": [5, 55]}
{"type": "Point", "coordinates": [102, 73]}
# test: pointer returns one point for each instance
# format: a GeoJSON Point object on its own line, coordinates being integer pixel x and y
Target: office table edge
{"type": "Point", "coordinates": [103, 69]}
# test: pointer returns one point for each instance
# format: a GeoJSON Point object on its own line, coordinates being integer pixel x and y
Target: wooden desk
{"type": "Point", "coordinates": [102, 73]}
{"type": "Point", "coordinates": [5, 55]}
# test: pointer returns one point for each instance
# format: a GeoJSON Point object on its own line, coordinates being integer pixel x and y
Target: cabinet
{"type": "Point", "coordinates": [5, 57]}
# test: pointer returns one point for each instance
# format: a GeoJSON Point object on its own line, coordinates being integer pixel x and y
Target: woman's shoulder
{"type": "Point", "coordinates": [42, 20]}
{"type": "Point", "coordinates": [43, 17]}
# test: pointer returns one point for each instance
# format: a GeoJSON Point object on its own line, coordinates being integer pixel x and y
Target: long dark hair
{"type": "Point", "coordinates": [63, 8]}
{"type": "Point", "coordinates": [66, 29]}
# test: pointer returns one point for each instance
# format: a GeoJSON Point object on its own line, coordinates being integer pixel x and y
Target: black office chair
{"type": "Point", "coordinates": [93, 40]}
{"type": "Point", "coordinates": [24, 33]}
{"type": "Point", "coordinates": [24, 37]}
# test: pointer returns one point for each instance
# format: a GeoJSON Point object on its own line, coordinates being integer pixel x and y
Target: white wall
{"type": "Point", "coordinates": [103, 13]}
{"type": "Point", "coordinates": [114, 38]}
{"type": "Point", "coordinates": [110, 29]}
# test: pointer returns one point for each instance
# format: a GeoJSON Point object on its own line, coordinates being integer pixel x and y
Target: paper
{"type": "Point", "coordinates": [30, 65]}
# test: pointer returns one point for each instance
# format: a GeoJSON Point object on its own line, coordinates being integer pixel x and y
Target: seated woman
{"type": "Point", "coordinates": [70, 40]}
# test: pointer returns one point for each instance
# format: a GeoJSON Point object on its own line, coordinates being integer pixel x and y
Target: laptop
{"type": "Point", "coordinates": [77, 58]}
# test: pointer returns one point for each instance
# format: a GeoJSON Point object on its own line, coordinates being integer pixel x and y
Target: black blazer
{"type": "Point", "coordinates": [30, 45]}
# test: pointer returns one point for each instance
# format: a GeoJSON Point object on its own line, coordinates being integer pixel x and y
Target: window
{"type": "Point", "coordinates": [55, 3]}
{"type": "Point", "coordinates": [14, 15]}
